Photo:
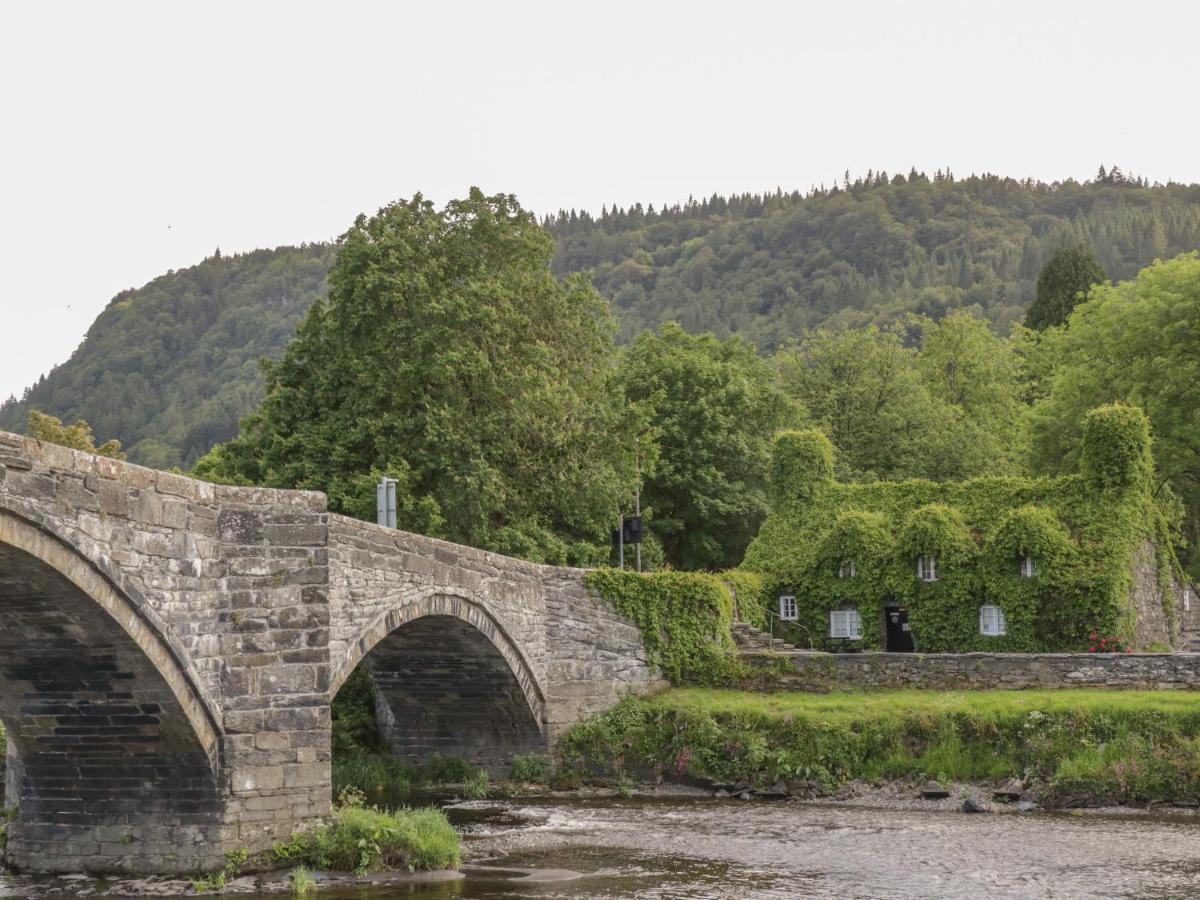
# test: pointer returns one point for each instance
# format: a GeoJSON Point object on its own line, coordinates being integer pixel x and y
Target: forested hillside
{"type": "Point", "coordinates": [170, 368]}
{"type": "Point", "coordinates": [771, 267]}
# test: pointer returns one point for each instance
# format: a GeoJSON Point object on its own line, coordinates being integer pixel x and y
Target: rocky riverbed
{"type": "Point", "coordinates": [869, 841]}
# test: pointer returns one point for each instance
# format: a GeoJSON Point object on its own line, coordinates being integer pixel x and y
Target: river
{"type": "Point", "coordinates": [739, 849]}
{"type": "Point", "coordinates": [685, 848]}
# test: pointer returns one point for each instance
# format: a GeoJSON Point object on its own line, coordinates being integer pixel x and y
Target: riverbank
{"type": "Point", "coordinates": [681, 842]}
{"type": "Point", "coordinates": [1066, 748]}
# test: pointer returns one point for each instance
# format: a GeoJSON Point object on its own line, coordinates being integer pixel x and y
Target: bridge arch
{"type": "Point", "coordinates": [449, 680]}
{"type": "Point", "coordinates": [119, 749]}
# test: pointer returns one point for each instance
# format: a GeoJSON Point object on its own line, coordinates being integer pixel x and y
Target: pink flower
{"type": "Point", "coordinates": [1092, 650]}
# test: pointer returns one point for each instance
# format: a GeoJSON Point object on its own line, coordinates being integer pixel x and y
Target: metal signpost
{"type": "Point", "coordinates": [385, 502]}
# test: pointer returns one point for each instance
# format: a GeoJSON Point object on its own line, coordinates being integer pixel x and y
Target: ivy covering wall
{"type": "Point", "coordinates": [684, 618]}
{"type": "Point", "coordinates": [1082, 533]}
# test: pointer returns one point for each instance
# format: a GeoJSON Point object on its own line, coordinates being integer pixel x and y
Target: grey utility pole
{"type": "Point", "coordinates": [385, 502]}
{"type": "Point", "coordinates": [637, 455]}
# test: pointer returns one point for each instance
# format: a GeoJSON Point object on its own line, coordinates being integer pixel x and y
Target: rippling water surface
{"type": "Point", "coordinates": [736, 849]}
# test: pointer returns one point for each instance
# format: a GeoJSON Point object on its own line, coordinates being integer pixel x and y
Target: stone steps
{"type": "Point", "coordinates": [755, 640]}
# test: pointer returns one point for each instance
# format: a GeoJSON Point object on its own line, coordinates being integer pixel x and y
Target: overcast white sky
{"type": "Point", "coordinates": [137, 137]}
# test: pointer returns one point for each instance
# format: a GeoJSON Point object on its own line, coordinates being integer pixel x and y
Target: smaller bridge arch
{"type": "Point", "coordinates": [449, 680]}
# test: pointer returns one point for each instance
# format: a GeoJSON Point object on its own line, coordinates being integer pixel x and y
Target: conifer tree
{"type": "Point", "coordinates": [1062, 283]}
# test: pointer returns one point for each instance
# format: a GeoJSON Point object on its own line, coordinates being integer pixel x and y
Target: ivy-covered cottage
{"type": "Point", "coordinates": [998, 564]}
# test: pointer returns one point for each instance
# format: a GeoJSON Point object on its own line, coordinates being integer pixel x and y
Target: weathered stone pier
{"type": "Point", "coordinates": [169, 650]}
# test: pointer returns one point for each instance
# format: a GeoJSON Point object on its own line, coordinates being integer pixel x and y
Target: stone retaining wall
{"type": "Point", "coordinates": [820, 672]}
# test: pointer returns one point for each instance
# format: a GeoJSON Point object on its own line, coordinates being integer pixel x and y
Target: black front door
{"type": "Point", "coordinates": [899, 637]}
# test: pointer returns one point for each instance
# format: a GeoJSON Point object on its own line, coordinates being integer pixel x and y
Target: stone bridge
{"type": "Point", "coordinates": [169, 650]}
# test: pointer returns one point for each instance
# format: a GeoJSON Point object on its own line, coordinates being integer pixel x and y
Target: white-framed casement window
{"type": "Point", "coordinates": [787, 608]}
{"type": "Point", "coordinates": [991, 621]}
{"type": "Point", "coordinates": [847, 569]}
{"type": "Point", "coordinates": [845, 623]}
{"type": "Point", "coordinates": [927, 568]}
{"type": "Point", "coordinates": [1028, 567]}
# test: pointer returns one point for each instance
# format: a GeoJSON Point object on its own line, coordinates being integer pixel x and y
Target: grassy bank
{"type": "Point", "coordinates": [357, 838]}
{"type": "Point", "coordinates": [1076, 747]}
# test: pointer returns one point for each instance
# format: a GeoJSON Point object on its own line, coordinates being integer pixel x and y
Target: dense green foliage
{"type": "Point", "coordinates": [495, 399]}
{"type": "Point", "coordinates": [939, 400]}
{"type": "Point", "coordinates": [750, 597]}
{"type": "Point", "coordinates": [170, 368]}
{"type": "Point", "coordinates": [1062, 283]}
{"type": "Point", "coordinates": [449, 357]}
{"type": "Point", "coordinates": [712, 408]}
{"type": "Point", "coordinates": [775, 266]}
{"type": "Point", "coordinates": [389, 781]}
{"type": "Point", "coordinates": [839, 546]}
{"type": "Point", "coordinates": [1136, 342]}
{"type": "Point", "coordinates": [684, 619]}
{"type": "Point", "coordinates": [1077, 747]}
{"type": "Point", "coordinates": [78, 436]}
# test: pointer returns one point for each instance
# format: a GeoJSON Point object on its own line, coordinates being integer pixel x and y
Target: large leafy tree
{"type": "Point", "coordinates": [713, 409]}
{"type": "Point", "coordinates": [862, 388]}
{"type": "Point", "coordinates": [1065, 280]}
{"type": "Point", "coordinates": [1135, 342]}
{"type": "Point", "coordinates": [448, 356]}
{"type": "Point", "coordinates": [930, 400]}
{"type": "Point", "coordinates": [980, 376]}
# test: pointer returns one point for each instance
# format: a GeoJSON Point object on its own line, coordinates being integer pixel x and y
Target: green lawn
{"type": "Point", "coordinates": [847, 707]}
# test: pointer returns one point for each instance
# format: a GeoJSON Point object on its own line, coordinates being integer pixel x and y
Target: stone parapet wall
{"type": "Point", "coordinates": [822, 672]}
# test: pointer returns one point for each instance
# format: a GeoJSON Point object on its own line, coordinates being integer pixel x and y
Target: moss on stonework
{"type": "Point", "coordinates": [857, 545]}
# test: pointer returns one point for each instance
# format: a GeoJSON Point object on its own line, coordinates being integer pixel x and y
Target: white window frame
{"type": "Point", "coordinates": [927, 567]}
{"type": "Point", "coordinates": [991, 621]}
{"type": "Point", "coordinates": [1029, 568]}
{"type": "Point", "coordinates": [787, 608]}
{"type": "Point", "coordinates": [848, 569]}
{"type": "Point", "coordinates": [846, 624]}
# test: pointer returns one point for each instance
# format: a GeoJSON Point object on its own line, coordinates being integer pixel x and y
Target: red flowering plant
{"type": "Point", "coordinates": [682, 761]}
{"type": "Point", "coordinates": [1107, 644]}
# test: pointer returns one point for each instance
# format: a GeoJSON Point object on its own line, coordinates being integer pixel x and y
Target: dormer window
{"type": "Point", "coordinates": [787, 608]}
{"type": "Point", "coordinates": [991, 621]}
{"type": "Point", "coordinates": [927, 568]}
{"type": "Point", "coordinates": [845, 623]}
{"type": "Point", "coordinates": [847, 569]}
{"type": "Point", "coordinates": [1028, 567]}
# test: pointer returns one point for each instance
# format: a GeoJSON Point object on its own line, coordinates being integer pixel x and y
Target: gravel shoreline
{"type": "Point", "coordinates": [903, 795]}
